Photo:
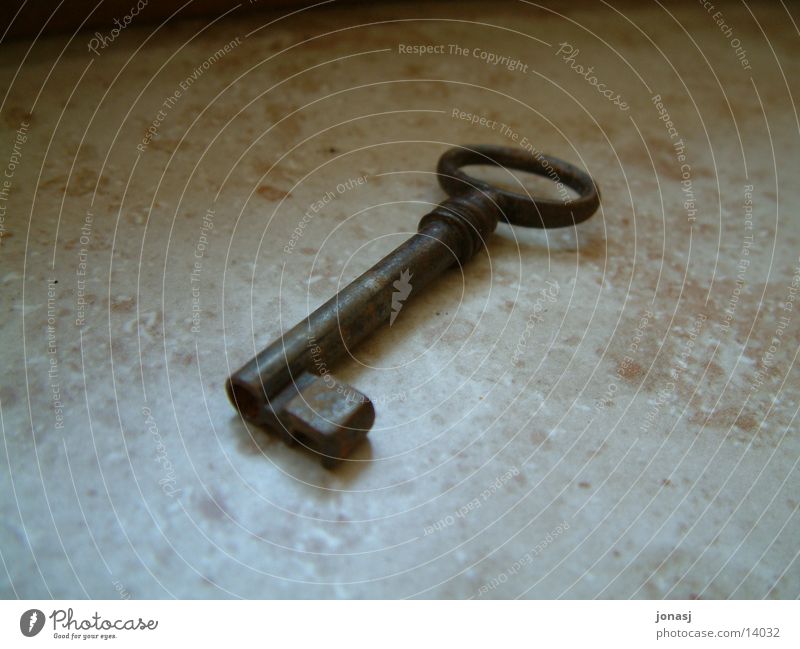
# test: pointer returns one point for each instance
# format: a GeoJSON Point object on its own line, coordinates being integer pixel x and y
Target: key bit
{"type": "Point", "coordinates": [288, 388]}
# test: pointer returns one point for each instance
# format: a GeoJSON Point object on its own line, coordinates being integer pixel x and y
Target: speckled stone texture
{"type": "Point", "coordinates": [607, 411]}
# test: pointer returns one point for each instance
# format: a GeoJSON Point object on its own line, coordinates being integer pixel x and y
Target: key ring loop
{"type": "Point", "coordinates": [519, 209]}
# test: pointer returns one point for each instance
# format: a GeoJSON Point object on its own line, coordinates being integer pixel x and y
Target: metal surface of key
{"type": "Point", "coordinates": [288, 389]}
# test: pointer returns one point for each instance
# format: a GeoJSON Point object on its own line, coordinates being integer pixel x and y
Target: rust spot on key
{"type": "Point", "coordinates": [287, 388]}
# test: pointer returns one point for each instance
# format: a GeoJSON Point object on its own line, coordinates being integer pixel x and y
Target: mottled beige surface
{"type": "Point", "coordinates": [552, 468]}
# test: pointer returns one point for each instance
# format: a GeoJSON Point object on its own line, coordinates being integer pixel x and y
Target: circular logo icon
{"type": "Point", "coordinates": [31, 622]}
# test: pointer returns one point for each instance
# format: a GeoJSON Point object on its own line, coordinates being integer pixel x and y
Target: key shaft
{"type": "Point", "coordinates": [288, 388]}
{"type": "Point", "coordinates": [448, 235]}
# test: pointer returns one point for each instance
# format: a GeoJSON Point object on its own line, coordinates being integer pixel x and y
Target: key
{"type": "Point", "coordinates": [288, 388]}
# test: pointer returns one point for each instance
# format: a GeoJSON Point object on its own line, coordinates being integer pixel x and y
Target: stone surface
{"type": "Point", "coordinates": [607, 412]}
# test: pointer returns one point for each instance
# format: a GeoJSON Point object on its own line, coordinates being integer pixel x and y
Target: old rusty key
{"type": "Point", "coordinates": [287, 388]}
